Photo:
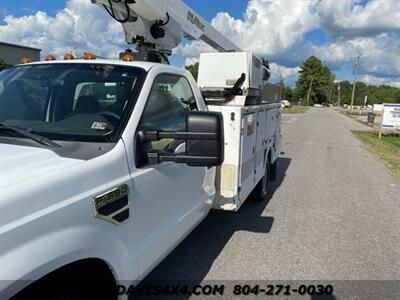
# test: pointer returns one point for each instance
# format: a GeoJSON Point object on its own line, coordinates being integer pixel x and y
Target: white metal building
{"type": "Point", "coordinates": [12, 53]}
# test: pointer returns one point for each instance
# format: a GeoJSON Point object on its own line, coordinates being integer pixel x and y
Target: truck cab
{"type": "Point", "coordinates": [107, 165]}
{"type": "Point", "coordinates": [102, 162]}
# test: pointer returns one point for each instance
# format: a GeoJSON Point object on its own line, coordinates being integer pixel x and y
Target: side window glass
{"type": "Point", "coordinates": [170, 100]}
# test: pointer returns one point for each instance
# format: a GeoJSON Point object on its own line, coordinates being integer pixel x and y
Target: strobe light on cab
{"type": "Point", "coordinates": [25, 60]}
{"type": "Point", "coordinates": [69, 56]}
{"type": "Point", "coordinates": [128, 57]}
{"type": "Point", "coordinates": [50, 57]}
{"type": "Point", "coordinates": [89, 56]}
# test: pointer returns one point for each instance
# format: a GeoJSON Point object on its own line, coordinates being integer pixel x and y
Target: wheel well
{"type": "Point", "coordinates": [88, 277]}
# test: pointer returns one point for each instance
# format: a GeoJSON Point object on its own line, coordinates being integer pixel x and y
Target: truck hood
{"type": "Point", "coordinates": [19, 164]}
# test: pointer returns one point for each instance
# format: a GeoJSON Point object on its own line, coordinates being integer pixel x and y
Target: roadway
{"type": "Point", "coordinates": [333, 214]}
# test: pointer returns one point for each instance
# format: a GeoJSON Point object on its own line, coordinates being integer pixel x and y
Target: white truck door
{"type": "Point", "coordinates": [169, 198]}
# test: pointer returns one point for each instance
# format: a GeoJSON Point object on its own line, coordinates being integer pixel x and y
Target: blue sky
{"type": "Point", "coordinates": [207, 8]}
{"type": "Point", "coordinates": [19, 8]}
{"type": "Point", "coordinates": [284, 31]}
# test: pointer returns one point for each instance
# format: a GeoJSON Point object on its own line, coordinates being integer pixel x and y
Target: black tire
{"type": "Point", "coordinates": [83, 280]}
{"type": "Point", "coordinates": [53, 289]}
{"type": "Point", "coordinates": [261, 190]}
{"type": "Point", "coordinates": [56, 291]}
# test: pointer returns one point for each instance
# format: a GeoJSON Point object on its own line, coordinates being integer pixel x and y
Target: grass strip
{"type": "Point", "coordinates": [296, 110]}
{"type": "Point", "coordinates": [387, 148]}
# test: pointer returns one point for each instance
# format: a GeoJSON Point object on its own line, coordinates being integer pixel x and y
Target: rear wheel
{"type": "Point", "coordinates": [261, 190]}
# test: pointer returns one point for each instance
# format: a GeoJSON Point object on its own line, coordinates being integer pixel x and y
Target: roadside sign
{"type": "Point", "coordinates": [391, 115]}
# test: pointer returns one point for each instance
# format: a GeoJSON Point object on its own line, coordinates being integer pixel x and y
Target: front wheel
{"type": "Point", "coordinates": [261, 190]}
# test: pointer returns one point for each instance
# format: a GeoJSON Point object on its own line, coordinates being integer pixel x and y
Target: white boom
{"type": "Point", "coordinates": [160, 24]}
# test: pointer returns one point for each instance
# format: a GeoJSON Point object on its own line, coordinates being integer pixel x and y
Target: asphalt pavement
{"type": "Point", "coordinates": [332, 214]}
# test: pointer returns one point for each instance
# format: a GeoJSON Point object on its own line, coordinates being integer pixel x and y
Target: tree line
{"type": "Point", "coordinates": [317, 84]}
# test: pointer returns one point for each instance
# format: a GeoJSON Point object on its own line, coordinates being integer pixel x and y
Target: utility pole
{"type": "Point", "coordinates": [309, 92]}
{"type": "Point", "coordinates": [354, 84]}
{"type": "Point", "coordinates": [338, 94]}
{"type": "Point", "coordinates": [331, 92]}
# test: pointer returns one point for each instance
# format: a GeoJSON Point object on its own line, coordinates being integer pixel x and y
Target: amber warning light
{"type": "Point", "coordinates": [69, 56]}
{"type": "Point", "coordinates": [25, 60]}
{"type": "Point", "coordinates": [50, 57]}
{"type": "Point", "coordinates": [128, 57]}
{"type": "Point", "coordinates": [89, 56]}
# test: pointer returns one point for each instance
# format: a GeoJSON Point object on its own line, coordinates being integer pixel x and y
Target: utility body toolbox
{"type": "Point", "coordinates": [252, 136]}
{"type": "Point", "coordinates": [251, 121]}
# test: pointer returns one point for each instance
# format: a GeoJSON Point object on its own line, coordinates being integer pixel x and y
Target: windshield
{"type": "Point", "coordinates": [78, 102]}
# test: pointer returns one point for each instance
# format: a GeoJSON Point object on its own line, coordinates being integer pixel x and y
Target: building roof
{"type": "Point", "coordinates": [19, 46]}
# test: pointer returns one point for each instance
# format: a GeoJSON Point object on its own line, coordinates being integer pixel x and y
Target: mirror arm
{"type": "Point", "coordinates": [156, 157]}
{"type": "Point", "coordinates": [153, 136]}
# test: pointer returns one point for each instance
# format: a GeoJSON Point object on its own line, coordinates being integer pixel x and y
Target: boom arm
{"type": "Point", "coordinates": [160, 24]}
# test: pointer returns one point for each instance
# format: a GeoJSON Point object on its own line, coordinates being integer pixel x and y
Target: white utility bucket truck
{"type": "Point", "coordinates": [107, 165]}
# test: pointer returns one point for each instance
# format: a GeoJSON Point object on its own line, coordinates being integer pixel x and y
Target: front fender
{"type": "Point", "coordinates": [49, 222]}
{"type": "Point", "coordinates": [47, 253]}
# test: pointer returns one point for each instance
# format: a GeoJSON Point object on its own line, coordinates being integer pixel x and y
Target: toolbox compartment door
{"type": "Point", "coordinates": [247, 155]}
{"type": "Point", "coordinates": [261, 145]}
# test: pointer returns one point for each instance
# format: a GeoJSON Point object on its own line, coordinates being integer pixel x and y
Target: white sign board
{"type": "Point", "coordinates": [378, 107]}
{"type": "Point", "coordinates": [391, 115]}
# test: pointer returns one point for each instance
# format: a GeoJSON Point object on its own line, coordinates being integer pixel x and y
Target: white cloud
{"type": "Point", "coordinates": [192, 50]}
{"type": "Point", "coordinates": [379, 55]}
{"type": "Point", "coordinates": [80, 24]}
{"type": "Point", "coordinates": [191, 61]}
{"type": "Point", "coordinates": [276, 29]}
{"type": "Point", "coordinates": [271, 28]}
{"type": "Point", "coordinates": [373, 80]}
{"type": "Point", "coordinates": [278, 72]}
{"type": "Point", "coordinates": [353, 19]}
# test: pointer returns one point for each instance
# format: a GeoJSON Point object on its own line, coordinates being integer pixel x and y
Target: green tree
{"type": "Point", "coordinates": [312, 70]}
{"type": "Point", "coordinates": [194, 69]}
{"type": "Point", "coordinates": [287, 92]}
{"type": "Point", "coordinates": [376, 94]}
{"type": "Point", "coordinates": [383, 94]}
